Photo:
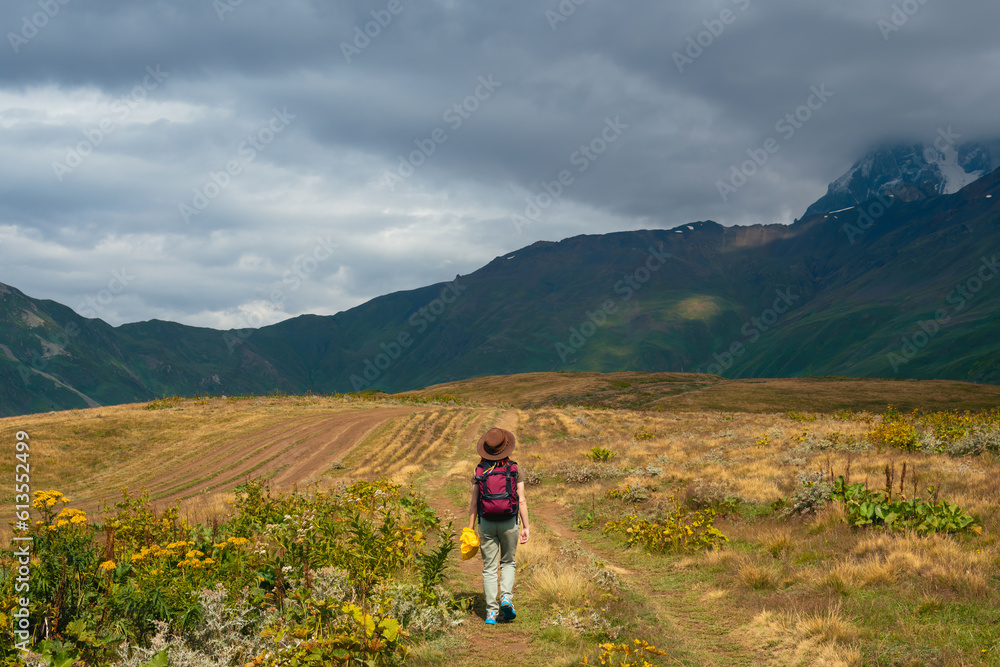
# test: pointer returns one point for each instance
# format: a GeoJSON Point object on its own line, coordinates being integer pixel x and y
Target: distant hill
{"type": "Point", "coordinates": [696, 392]}
{"type": "Point", "coordinates": [888, 288]}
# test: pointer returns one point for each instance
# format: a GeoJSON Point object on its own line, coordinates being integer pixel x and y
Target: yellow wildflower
{"type": "Point", "coordinates": [107, 565]}
{"type": "Point", "coordinates": [209, 561]}
{"type": "Point", "coordinates": [71, 516]}
{"type": "Point", "coordinates": [194, 553]}
{"type": "Point", "coordinates": [220, 545]}
{"type": "Point", "coordinates": [238, 541]}
{"type": "Point", "coordinates": [137, 557]}
{"type": "Point", "coordinates": [45, 499]}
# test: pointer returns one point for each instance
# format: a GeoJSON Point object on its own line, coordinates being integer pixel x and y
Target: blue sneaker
{"type": "Point", "coordinates": [491, 618]}
{"type": "Point", "coordinates": [507, 607]}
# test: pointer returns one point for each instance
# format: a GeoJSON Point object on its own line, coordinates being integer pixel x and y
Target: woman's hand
{"type": "Point", "coordinates": [524, 534]}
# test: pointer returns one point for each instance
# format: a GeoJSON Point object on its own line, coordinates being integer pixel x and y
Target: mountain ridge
{"type": "Point", "coordinates": [699, 296]}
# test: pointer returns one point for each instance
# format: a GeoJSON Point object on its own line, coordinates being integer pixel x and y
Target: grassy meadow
{"type": "Point", "coordinates": [743, 545]}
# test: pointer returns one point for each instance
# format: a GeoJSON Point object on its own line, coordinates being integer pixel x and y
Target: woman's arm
{"type": "Point", "coordinates": [474, 505]}
{"type": "Point", "coordinates": [522, 511]}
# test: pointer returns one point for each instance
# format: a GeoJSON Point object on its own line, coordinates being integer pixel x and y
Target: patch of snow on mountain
{"type": "Point", "coordinates": [955, 177]}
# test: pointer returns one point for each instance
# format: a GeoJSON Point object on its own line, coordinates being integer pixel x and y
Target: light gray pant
{"type": "Point", "coordinates": [498, 541]}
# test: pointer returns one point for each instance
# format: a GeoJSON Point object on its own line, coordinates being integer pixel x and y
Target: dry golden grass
{"type": "Point", "coordinates": [836, 581]}
{"type": "Point", "coordinates": [821, 639]}
{"type": "Point", "coordinates": [538, 552]}
{"type": "Point", "coordinates": [829, 627]}
{"type": "Point", "coordinates": [755, 576]}
{"type": "Point", "coordinates": [939, 560]}
{"type": "Point", "coordinates": [110, 447]}
{"type": "Point", "coordinates": [564, 587]}
{"type": "Point", "coordinates": [875, 571]}
{"type": "Point", "coordinates": [777, 541]}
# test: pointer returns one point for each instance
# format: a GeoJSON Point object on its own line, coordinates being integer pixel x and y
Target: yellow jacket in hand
{"type": "Point", "coordinates": [470, 543]}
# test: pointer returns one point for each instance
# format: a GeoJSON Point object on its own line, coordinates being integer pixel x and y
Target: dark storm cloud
{"type": "Point", "coordinates": [376, 157]}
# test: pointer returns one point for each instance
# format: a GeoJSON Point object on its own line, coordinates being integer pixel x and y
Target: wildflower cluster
{"type": "Point", "coordinates": [676, 531]}
{"type": "Point", "coordinates": [48, 499]}
{"type": "Point", "coordinates": [140, 575]}
{"type": "Point", "coordinates": [626, 655]}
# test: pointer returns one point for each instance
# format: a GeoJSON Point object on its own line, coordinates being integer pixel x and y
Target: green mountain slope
{"type": "Point", "coordinates": [836, 294]}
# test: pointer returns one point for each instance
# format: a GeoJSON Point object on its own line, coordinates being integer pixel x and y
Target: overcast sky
{"type": "Point", "coordinates": [351, 173]}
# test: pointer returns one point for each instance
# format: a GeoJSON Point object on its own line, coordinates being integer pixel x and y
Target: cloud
{"type": "Point", "coordinates": [222, 75]}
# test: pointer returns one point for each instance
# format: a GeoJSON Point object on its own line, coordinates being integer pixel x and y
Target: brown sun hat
{"type": "Point", "coordinates": [498, 443]}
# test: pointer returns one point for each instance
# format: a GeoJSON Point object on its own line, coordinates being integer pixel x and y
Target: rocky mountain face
{"type": "Point", "coordinates": [911, 172]}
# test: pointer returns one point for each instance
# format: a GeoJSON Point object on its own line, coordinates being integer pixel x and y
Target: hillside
{"type": "Point", "coordinates": [836, 294]}
{"type": "Point", "coordinates": [692, 392]}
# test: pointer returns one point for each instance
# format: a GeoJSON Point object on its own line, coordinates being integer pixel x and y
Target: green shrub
{"type": "Point", "coordinates": [897, 434]}
{"type": "Point", "coordinates": [716, 495]}
{"type": "Point", "coordinates": [600, 454]}
{"type": "Point", "coordinates": [625, 654]}
{"type": "Point", "coordinates": [630, 493]}
{"type": "Point", "coordinates": [981, 440]}
{"type": "Point", "coordinates": [643, 433]}
{"type": "Point", "coordinates": [574, 473]}
{"type": "Point", "coordinates": [865, 507]}
{"type": "Point", "coordinates": [678, 530]}
{"type": "Point", "coordinates": [813, 494]}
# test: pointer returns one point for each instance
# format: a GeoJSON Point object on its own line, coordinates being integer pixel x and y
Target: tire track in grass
{"type": "Point", "coordinates": [327, 440]}
{"type": "Point", "coordinates": [442, 430]}
{"type": "Point", "coordinates": [197, 466]}
{"type": "Point", "coordinates": [385, 448]}
{"type": "Point", "coordinates": [294, 452]}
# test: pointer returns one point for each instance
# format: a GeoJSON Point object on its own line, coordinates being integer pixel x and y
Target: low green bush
{"type": "Point", "coordinates": [865, 507]}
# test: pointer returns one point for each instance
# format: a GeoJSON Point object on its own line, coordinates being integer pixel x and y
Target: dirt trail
{"type": "Point", "coordinates": [507, 643]}
{"type": "Point", "coordinates": [688, 622]}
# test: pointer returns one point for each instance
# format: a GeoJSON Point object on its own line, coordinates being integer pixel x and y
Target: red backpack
{"type": "Point", "coordinates": [497, 481]}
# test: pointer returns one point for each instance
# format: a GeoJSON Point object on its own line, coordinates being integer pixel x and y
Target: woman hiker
{"type": "Point", "coordinates": [499, 503]}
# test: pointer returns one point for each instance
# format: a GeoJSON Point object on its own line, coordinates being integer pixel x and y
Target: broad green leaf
{"type": "Point", "coordinates": [158, 660]}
